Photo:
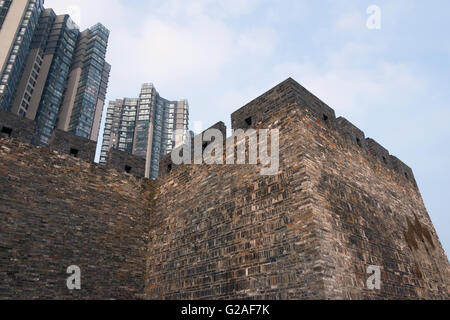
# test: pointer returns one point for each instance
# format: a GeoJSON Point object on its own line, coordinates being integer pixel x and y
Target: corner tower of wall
{"type": "Point", "coordinates": [312, 230]}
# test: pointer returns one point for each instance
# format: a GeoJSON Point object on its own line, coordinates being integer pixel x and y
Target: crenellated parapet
{"type": "Point", "coordinates": [76, 146]}
{"type": "Point", "coordinates": [166, 164]}
{"type": "Point", "coordinates": [16, 127]}
{"type": "Point", "coordinates": [125, 162]}
{"type": "Point", "coordinates": [287, 92]}
{"type": "Point", "coordinates": [13, 126]}
{"type": "Point", "coordinates": [352, 132]}
{"type": "Point", "coordinates": [290, 92]}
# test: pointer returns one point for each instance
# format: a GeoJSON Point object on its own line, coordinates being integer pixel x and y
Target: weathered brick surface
{"type": "Point", "coordinates": [125, 162]}
{"type": "Point", "coordinates": [311, 231]}
{"type": "Point", "coordinates": [369, 214]}
{"type": "Point", "coordinates": [57, 211]}
{"type": "Point", "coordinates": [227, 235]}
{"type": "Point", "coordinates": [379, 151]}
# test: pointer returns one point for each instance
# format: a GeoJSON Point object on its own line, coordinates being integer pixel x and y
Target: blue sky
{"type": "Point", "coordinates": [393, 83]}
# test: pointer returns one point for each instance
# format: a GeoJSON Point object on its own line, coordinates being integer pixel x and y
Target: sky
{"type": "Point", "coordinates": [391, 81]}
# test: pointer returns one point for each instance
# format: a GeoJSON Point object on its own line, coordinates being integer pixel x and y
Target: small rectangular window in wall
{"type": "Point", "coordinates": [7, 131]}
{"type": "Point", "coordinates": [74, 152]}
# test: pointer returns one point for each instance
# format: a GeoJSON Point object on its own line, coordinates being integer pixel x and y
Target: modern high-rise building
{"type": "Point", "coordinates": [145, 127]}
{"type": "Point", "coordinates": [55, 70]}
{"type": "Point", "coordinates": [18, 22]}
{"type": "Point", "coordinates": [91, 72]}
{"type": "Point", "coordinates": [63, 77]}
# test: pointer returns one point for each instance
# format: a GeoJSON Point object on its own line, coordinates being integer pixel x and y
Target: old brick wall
{"type": "Point", "coordinates": [166, 164]}
{"type": "Point", "coordinates": [57, 211]}
{"type": "Point", "coordinates": [338, 204]}
{"type": "Point", "coordinates": [225, 232]}
{"type": "Point", "coordinates": [311, 231]}
{"type": "Point", "coordinates": [369, 213]}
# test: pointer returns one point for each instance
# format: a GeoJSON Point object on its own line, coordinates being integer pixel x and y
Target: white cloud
{"type": "Point", "coordinates": [165, 52]}
{"type": "Point", "coordinates": [354, 54]}
{"type": "Point", "coordinates": [260, 41]}
{"type": "Point", "coordinates": [176, 44]}
{"type": "Point", "coordinates": [351, 22]}
{"type": "Point", "coordinates": [114, 11]}
{"type": "Point", "coordinates": [237, 7]}
{"type": "Point", "coordinates": [189, 9]}
{"type": "Point", "coordinates": [354, 84]}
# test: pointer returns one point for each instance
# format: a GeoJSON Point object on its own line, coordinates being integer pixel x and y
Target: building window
{"type": "Point", "coordinates": [248, 121]}
{"type": "Point", "coordinates": [128, 169]}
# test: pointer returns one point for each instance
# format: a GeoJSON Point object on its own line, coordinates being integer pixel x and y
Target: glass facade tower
{"type": "Point", "coordinates": [4, 7]}
{"type": "Point", "coordinates": [50, 71]}
{"type": "Point", "coordinates": [127, 125]}
{"type": "Point", "coordinates": [145, 127]}
{"type": "Point", "coordinates": [60, 48]}
{"type": "Point", "coordinates": [95, 72]}
{"type": "Point", "coordinates": [18, 21]}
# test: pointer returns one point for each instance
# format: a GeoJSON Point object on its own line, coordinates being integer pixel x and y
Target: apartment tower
{"type": "Point", "coordinates": [18, 22]}
{"type": "Point", "coordinates": [82, 109]}
{"type": "Point", "coordinates": [145, 127]}
{"type": "Point", "coordinates": [62, 77]}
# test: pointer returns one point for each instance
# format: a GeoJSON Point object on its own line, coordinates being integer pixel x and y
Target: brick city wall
{"type": "Point", "coordinates": [13, 126]}
{"type": "Point", "coordinates": [339, 204]}
{"type": "Point", "coordinates": [57, 211]}
{"type": "Point", "coordinates": [367, 213]}
{"type": "Point", "coordinates": [219, 232]}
